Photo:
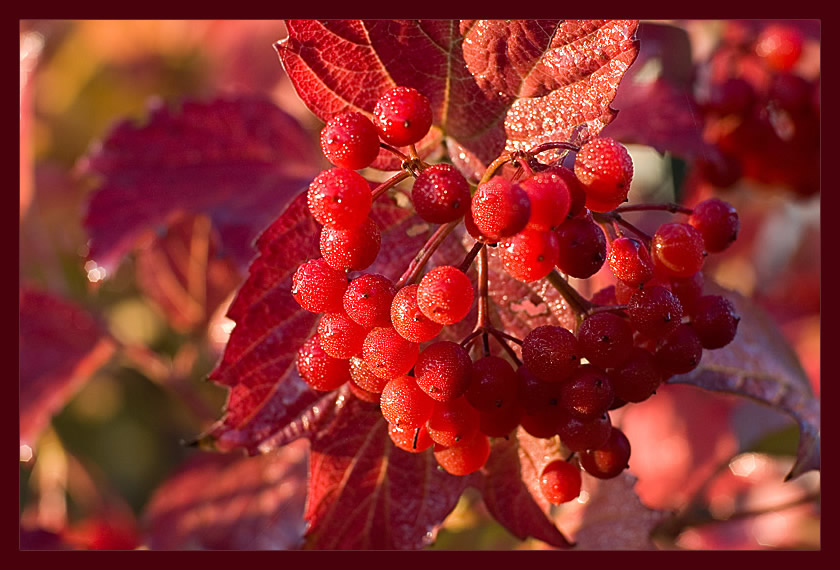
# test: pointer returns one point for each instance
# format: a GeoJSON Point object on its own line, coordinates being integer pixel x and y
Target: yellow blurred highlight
{"type": "Point", "coordinates": [99, 400]}
{"type": "Point", "coordinates": [135, 322]}
{"type": "Point", "coordinates": [736, 274]}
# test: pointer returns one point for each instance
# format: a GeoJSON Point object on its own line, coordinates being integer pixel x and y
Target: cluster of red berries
{"type": "Point", "coordinates": [652, 324]}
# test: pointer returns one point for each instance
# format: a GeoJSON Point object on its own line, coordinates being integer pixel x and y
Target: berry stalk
{"type": "Point", "coordinates": [425, 253]}
{"type": "Point", "coordinates": [577, 303]}
{"type": "Point", "coordinates": [390, 183]}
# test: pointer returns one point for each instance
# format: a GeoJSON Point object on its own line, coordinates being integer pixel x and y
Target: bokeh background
{"type": "Point", "coordinates": [121, 429]}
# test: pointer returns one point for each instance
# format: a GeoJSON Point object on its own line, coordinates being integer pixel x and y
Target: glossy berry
{"type": "Point", "coordinates": [630, 261]}
{"type": "Point", "coordinates": [588, 393]}
{"type": "Point", "coordinates": [500, 208]}
{"type": "Point", "coordinates": [679, 352]}
{"type": "Point", "coordinates": [362, 394]}
{"type": "Point", "coordinates": [350, 140]}
{"type": "Point", "coordinates": [605, 170]}
{"type": "Point", "coordinates": [688, 290]}
{"type": "Point", "coordinates": [679, 248]}
{"type": "Point", "coordinates": [551, 353]}
{"type": "Point", "coordinates": [529, 255]}
{"type": "Point", "coordinates": [560, 482]}
{"type": "Point", "coordinates": [549, 198]}
{"type": "Point", "coordinates": [445, 294]}
{"type": "Point", "coordinates": [605, 296]}
{"type": "Point", "coordinates": [404, 404]}
{"type": "Point", "coordinates": [500, 422]}
{"type": "Point", "coordinates": [654, 311]}
{"type": "Point", "coordinates": [732, 96]}
{"type": "Point", "coordinates": [540, 424]}
{"type": "Point", "coordinates": [780, 46]}
{"type": "Point", "coordinates": [605, 339]}
{"type": "Point", "coordinates": [443, 370]}
{"type": "Point", "coordinates": [717, 222]}
{"type": "Point", "coordinates": [580, 435]}
{"type": "Point", "coordinates": [453, 423]}
{"type": "Point", "coordinates": [609, 460]}
{"type": "Point", "coordinates": [340, 336]}
{"type": "Point", "coordinates": [407, 318]}
{"type": "Point", "coordinates": [466, 458]}
{"type": "Point", "coordinates": [715, 321]}
{"type": "Point", "coordinates": [441, 194]}
{"type": "Point", "coordinates": [320, 370]}
{"type": "Point", "coordinates": [411, 440]}
{"type": "Point", "coordinates": [319, 288]}
{"type": "Point", "coordinates": [362, 377]}
{"type": "Point", "coordinates": [535, 395]}
{"type": "Point", "coordinates": [350, 249]}
{"type": "Point", "coordinates": [402, 116]}
{"type": "Point", "coordinates": [387, 354]}
{"type": "Point", "coordinates": [638, 378]}
{"type": "Point", "coordinates": [367, 300]}
{"type": "Point", "coordinates": [583, 248]}
{"type": "Point", "coordinates": [339, 197]}
{"type": "Point", "coordinates": [577, 195]}
{"type": "Point", "coordinates": [493, 384]}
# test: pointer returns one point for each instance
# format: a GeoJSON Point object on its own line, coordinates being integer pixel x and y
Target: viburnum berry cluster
{"type": "Point", "coordinates": [544, 221]}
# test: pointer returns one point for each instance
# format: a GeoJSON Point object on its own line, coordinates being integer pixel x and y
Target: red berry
{"type": "Point", "coordinates": [362, 377]}
{"type": "Point", "coordinates": [500, 422]}
{"type": "Point", "coordinates": [445, 294]}
{"type": "Point", "coordinates": [560, 482]}
{"type": "Point", "coordinates": [638, 378]}
{"type": "Point", "coordinates": [500, 208]}
{"type": "Point", "coordinates": [588, 393]}
{"type": "Point", "coordinates": [367, 300]}
{"type": "Point", "coordinates": [320, 370]}
{"type": "Point", "coordinates": [534, 395]}
{"type": "Point", "coordinates": [339, 197]}
{"type": "Point", "coordinates": [350, 249]}
{"type": "Point", "coordinates": [443, 370]}
{"type": "Point", "coordinates": [453, 423]}
{"type": "Point", "coordinates": [688, 290]}
{"type": "Point", "coordinates": [409, 320]}
{"type": "Point", "coordinates": [529, 255]}
{"type": "Point", "coordinates": [402, 116]}
{"type": "Point", "coordinates": [780, 46]}
{"type": "Point", "coordinates": [580, 435]}
{"type": "Point", "coordinates": [550, 353]}
{"type": "Point", "coordinates": [387, 354]}
{"type": "Point", "coordinates": [466, 458]}
{"type": "Point", "coordinates": [404, 404]}
{"type": "Point", "coordinates": [493, 384]}
{"type": "Point", "coordinates": [609, 460]}
{"type": "Point", "coordinates": [583, 247]}
{"type": "Point", "coordinates": [605, 296]}
{"type": "Point", "coordinates": [605, 339]}
{"type": "Point", "coordinates": [549, 198]}
{"type": "Point", "coordinates": [540, 424]}
{"type": "Point", "coordinates": [717, 222]}
{"type": "Point", "coordinates": [630, 261]}
{"type": "Point", "coordinates": [411, 440]}
{"type": "Point", "coordinates": [715, 321]}
{"type": "Point", "coordinates": [732, 96]}
{"type": "Point", "coordinates": [350, 140]}
{"type": "Point", "coordinates": [340, 336]}
{"type": "Point", "coordinates": [577, 195]}
{"type": "Point", "coordinates": [362, 394]}
{"type": "Point", "coordinates": [654, 311]}
{"type": "Point", "coordinates": [605, 170]}
{"type": "Point", "coordinates": [441, 194]}
{"type": "Point", "coordinates": [679, 248]}
{"type": "Point", "coordinates": [319, 288]}
{"type": "Point", "coordinates": [680, 352]}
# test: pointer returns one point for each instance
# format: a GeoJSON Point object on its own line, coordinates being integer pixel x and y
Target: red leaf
{"type": "Point", "coordinates": [511, 491]}
{"type": "Point", "coordinates": [493, 85]}
{"type": "Point", "coordinates": [61, 345]}
{"type": "Point", "coordinates": [229, 502]}
{"type": "Point", "coordinates": [760, 364]}
{"type": "Point", "coordinates": [239, 161]}
{"type": "Point", "coordinates": [365, 493]}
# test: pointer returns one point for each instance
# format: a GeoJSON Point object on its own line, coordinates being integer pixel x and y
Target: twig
{"type": "Point", "coordinates": [422, 257]}
{"type": "Point", "coordinates": [670, 207]}
{"type": "Point", "coordinates": [390, 183]}
{"type": "Point", "coordinates": [578, 304]}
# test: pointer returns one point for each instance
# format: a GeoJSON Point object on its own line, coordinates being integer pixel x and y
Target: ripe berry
{"type": "Point", "coordinates": [549, 198]}
{"type": "Point", "coordinates": [605, 170]}
{"type": "Point", "coordinates": [540, 424]}
{"type": "Point", "coordinates": [362, 377]}
{"type": "Point", "coordinates": [732, 96]}
{"type": "Point", "coordinates": [638, 378]}
{"type": "Point", "coordinates": [320, 370]}
{"type": "Point", "coordinates": [404, 404]}
{"type": "Point", "coordinates": [350, 140]}
{"type": "Point", "coordinates": [441, 194]}
{"type": "Point", "coordinates": [411, 440]}
{"type": "Point", "coordinates": [530, 254]}
{"type": "Point", "coordinates": [407, 318]}
{"type": "Point", "coordinates": [780, 46]}
{"type": "Point", "coordinates": [453, 423]}
{"type": "Point", "coordinates": [500, 422]}
{"type": "Point", "coordinates": [367, 300]}
{"type": "Point", "coordinates": [580, 435]}
{"type": "Point", "coordinates": [605, 296]}
{"type": "Point", "coordinates": [445, 294]}
{"type": "Point", "coordinates": [679, 248]}
{"type": "Point", "coordinates": [466, 458]}
{"type": "Point", "coordinates": [654, 311]}
{"type": "Point", "coordinates": [339, 197]}
{"type": "Point", "coordinates": [609, 460]}
{"type": "Point", "coordinates": [550, 353]}
{"type": "Point", "coordinates": [493, 384]}
{"type": "Point", "coordinates": [588, 393]}
{"type": "Point", "coordinates": [560, 482]}
{"type": "Point", "coordinates": [688, 290]}
{"type": "Point", "coordinates": [630, 261]}
{"type": "Point", "coordinates": [583, 248]}
{"type": "Point", "coordinates": [362, 394]}
{"type": "Point", "coordinates": [387, 354]}
{"type": "Point", "coordinates": [443, 370]}
{"type": "Point", "coordinates": [715, 321]}
{"type": "Point", "coordinates": [402, 116]}
{"type": "Point", "coordinates": [350, 249]}
{"type": "Point", "coordinates": [680, 351]}
{"type": "Point", "coordinates": [535, 395]}
{"type": "Point", "coordinates": [500, 208]}
{"type": "Point", "coordinates": [577, 195]}
{"type": "Point", "coordinates": [319, 288]}
{"type": "Point", "coordinates": [717, 222]}
{"type": "Point", "coordinates": [340, 336]}
{"type": "Point", "coordinates": [605, 339]}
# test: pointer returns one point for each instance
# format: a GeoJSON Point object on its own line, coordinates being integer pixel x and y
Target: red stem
{"type": "Point", "coordinates": [422, 257]}
{"type": "Point", "coordinates": [390, 183]}
{"type": "Point", "coordinates": [670, 207]}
